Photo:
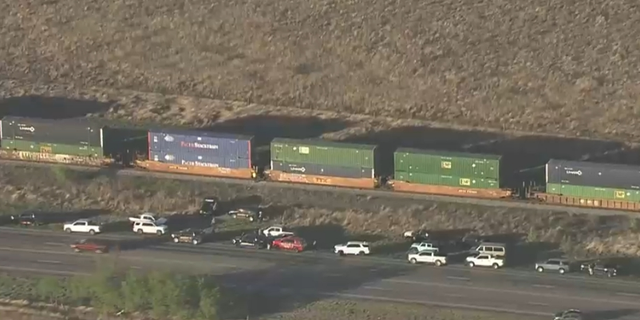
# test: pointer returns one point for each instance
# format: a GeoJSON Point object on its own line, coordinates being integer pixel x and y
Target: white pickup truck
{"type": "Point", "coordinates": [277, 232]}
{"type": "Point", "coordinates": [82, 225]}
{"type": "Point", "coordinates": [485, 260]}
{"type": "Point", "coordinates": [428, 256]}
{"type": "Point", "coordinates": [148, 217]}
{"type": "Point", "coordinates": [142, 227]}
{"type": "Point", "coordinates": [421, 246]}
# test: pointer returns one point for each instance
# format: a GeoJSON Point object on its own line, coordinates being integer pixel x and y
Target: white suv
{"type": "Point", "coordinates": [352, 247]}
{"type": "Point", "coordinates": [142, 227]}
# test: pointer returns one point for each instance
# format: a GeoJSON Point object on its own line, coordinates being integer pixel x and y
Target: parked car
{"type": "Point", "coordinates": [148, 217]}
{"type": "Point", "coordinates": [289, 243]}
{"type": "Point", "coordinates": [191, 235]}
{"type": "Point", "coordinates": [357, 248]}
{"type": "Point", "coordinates": [251, 213]}
{"type": "Point", "coordinates": [600, 267]}
{"type": "Point", "coordinates": [209, 206]}
{"type": "Point", "coordinates": [427, 256]}
{"type": "Point", "coordinates": [251, 240]}
{"type": "Point", "coordinates": [424, 246]}
{"type": "Point", "coordinates": [561, 266]}
{"type": "Point", "coordinates": [143, 227]}
{"type": "Point", "coordinates": [277, 231]}
{"type": "Point", "coordinates": [82, 226]}
{"type": "Point", "coordinates": [571, 314]}
{"type": "Point", "coordinates": [416, 235]}
{"type": "Point", "coordinates": [93, 245]}
{"type": "Point", "coordinates": [485, 260]}
{"type": "Point", "coordinates": [27, 219]}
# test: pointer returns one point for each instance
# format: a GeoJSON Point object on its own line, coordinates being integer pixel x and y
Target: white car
{"type": "Point", "coordinates": [82, 225]}
{"type": "Point", "coordinates": [148, 217]}
{"type": "Point", "coordinates": [428, 256]}
{"type": "Point", "coordinates": [352, 247]}
{"type": "Point", "coordinates": [485, 260]}
{"type": "Point", "coordinates": [143, 227]}
{"type": "Point", "coordinates": [277, 231]}
{"type": "Point", "coordinates": [421, 246]}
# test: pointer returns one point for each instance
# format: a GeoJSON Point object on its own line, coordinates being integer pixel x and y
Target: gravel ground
{"type": "Point", "coordinates": [521, 65]}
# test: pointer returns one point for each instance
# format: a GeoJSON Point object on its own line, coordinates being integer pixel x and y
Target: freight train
{"type": "Point", "coordinates": [314, 161]}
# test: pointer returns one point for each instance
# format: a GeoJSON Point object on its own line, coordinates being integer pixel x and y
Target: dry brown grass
{"type": "Point", "coordinates": [566, 67]}
{"type": "Point", "coordinates": [382, 218]}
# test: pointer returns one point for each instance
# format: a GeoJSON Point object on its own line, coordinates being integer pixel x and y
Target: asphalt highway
{"type": "Point", "coordinates": [314, 275]}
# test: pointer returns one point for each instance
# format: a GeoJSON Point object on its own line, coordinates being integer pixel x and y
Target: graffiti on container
{"type": "Point", "coordinates": [200, 164]}
{"type": "Point", "coordinates": [198, 145]}
{"type": "Point", "coordinates": [322, 180]}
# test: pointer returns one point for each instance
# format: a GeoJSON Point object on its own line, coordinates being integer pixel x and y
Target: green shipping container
{"type": "Point", "coordinates": [447, 163]}
{"type": "Point", "coordinates": [586, 192]}
{"type": "Point", "coordinates": [324, 152]}
{"type": "Point", "coordinates": [451, 181]}
{"type": "Point", "coordinates": [53, 148]}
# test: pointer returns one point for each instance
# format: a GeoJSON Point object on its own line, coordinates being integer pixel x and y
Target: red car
{"type": "Point", "coordinates": [289, 243]}
{"type": "Point", "coordinates": [93, 245]}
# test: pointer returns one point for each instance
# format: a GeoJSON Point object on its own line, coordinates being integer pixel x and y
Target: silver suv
{"type": "Point", "coordinates": [561, 266]}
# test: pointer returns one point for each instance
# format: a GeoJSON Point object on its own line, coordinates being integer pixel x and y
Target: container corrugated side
{"type": "Point", "coordinates": [593, 174]}
{"type": "Point", "coordinates": [214, 146]}
{"type": "Point", "coordinates": [190, 159]}
{"type": "Point", "coordinates": [52, 148]}
{"type": "Point", "coordinates": [443, 180]}
{"type": "Point", "coordinates": [70, 132]}
{"type": "Point", "coordinates": [322, 170]}
{"type": "Point", "coordinates": [588, 192]}
{"type": "Point", "coordinates": [447, 163]}
{"type": "Point", "coordinates": [324, 153]}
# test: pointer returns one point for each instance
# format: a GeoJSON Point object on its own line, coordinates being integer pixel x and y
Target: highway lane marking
{"type": "Point", "coordinates": [375, 288]}
{"type": "Point", "coordinates": [458, 278]}
{"type": "Point", "coordinates": [466, 287]}
{"type": "Point", "coordinates": [626, 294]}
{"type": "Point", "coordinates": [546, 286]}
{"type": "Point", "coordinates": [49, 261]}
{"type": "Point", "coordinates": [45, 271]}
{"type": "Point", "coordinates": [55, 244]}
{"type": "Point", "coordinates": [538, 304]}
{"type": "Point", "coordinates": [453, 295]}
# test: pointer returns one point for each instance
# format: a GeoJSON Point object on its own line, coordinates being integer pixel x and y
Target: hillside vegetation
{"type": "Point", "coordinates": [564, 66]}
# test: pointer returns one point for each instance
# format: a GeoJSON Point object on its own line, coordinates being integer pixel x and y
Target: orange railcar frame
{"type": "Point", "coordinates": [403, 186]}
{"type": "Point", "coordinates": [245, 173]}
{"type": "Point", "coordinates": [322, 180]}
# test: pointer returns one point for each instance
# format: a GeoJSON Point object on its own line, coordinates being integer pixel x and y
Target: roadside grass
{"type": "Point", "coordinates": [327, 217]}
{"type": "Point", "coordinates": [109, 291]}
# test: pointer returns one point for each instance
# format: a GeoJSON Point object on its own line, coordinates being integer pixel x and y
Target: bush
{"type": "Point", "coordinates": [157, 295]}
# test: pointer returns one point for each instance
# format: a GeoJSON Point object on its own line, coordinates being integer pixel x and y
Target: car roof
{"type": "Point", "coordinates": [357, 242]}
{"type": "Point", "coordinates": [497, 244]}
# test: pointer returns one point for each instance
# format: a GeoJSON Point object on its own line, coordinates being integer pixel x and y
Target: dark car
{"type": "Point", "coordinates": [209, 206]}
{"type": "Point", "coordinates": [26, 219]}
{"type": "Point", "coordinates": [251, 240]}
{"type": "Point", "coordinates": [93, 245]}
{"type": "Point", "coordinates": [251, 213]}
{"type": "Point", "coordinates": [599, 267]}
{"type": "Point", "coordinates": [571, 314]}
{"type": "Point", "coordinates": [194, 236]}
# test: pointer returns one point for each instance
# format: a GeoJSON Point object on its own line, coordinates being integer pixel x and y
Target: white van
{"type": "Point", "coordinates": [492, 248]}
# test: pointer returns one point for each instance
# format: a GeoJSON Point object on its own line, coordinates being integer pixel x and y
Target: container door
{"type": "Point", "coordinates": [45, 149]}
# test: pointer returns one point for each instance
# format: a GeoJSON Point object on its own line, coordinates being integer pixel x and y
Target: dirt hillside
{"type": "Point", "coordinates": [519, 65]}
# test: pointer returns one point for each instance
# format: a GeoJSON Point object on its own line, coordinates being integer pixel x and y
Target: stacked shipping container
{"type": "Point", "coordinates": [204, 152]}
{"type": "Point", "coordinates": [75, 137]}
{"type": "Point", "coordinates": [447, 168]}
{"type": "Point", "coordinates": [323, 158]}
{"type": "Point", "coordinates": [593, 180]}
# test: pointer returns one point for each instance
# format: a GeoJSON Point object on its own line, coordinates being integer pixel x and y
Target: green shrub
{"type": "Point", "coordinates": [160, 295]}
